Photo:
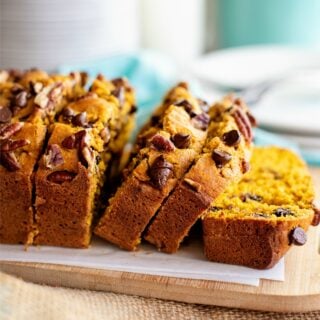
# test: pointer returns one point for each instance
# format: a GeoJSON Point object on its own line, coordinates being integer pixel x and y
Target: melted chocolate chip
{"type": "Point", "coordinates": [181, 140]}
{"type": "Point", "coordinates": [67, 114]}
{"type": "Point", "coordinates": [159, 172]}
{"type": "Point", "coordinates": [60, 177]}
{"type": "Point", "coordinates": [231, 138]}
{"type": "Point", "coordinates": [187, 106]}
{"type": "Point", "coordinates": [221, 158]}
{"type": "Point", "coordinates": [161, 143]}
{"type": "Point", "coordinates": [297, 237]}
{"type": "Point", "coordinates": [5, 114]}
{"type": "Point", "coordinates": [76, 140]}
{"type": "Point", "coordinates": [283, 212]}
{"type": "Point", "coordinates": [201, 121]}
{"type": "Point", "coordinates": [69, 142]}
{"type": "Point", "coordinates": [133, 109]}
{"type": "Point", "coordinates": [80, 120]}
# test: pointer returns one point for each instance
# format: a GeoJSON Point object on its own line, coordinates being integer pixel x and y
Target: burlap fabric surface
{"type": "Point", "coordinates": [22, 300]}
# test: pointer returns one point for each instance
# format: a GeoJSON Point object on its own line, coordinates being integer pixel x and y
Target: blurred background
{"type": "Point", "coordinates": [268, 52]}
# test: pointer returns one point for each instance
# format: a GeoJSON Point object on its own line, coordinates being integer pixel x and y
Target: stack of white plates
{"type": "Point", "coordinates": [48, 33]}
{"type": "Point", "coordinates": [291, 107]}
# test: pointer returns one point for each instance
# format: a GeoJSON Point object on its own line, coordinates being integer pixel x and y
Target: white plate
{"type": "Point", "coordinates": [293, 105]}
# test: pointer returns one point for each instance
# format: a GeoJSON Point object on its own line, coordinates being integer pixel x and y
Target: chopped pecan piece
{"type": "Point", "coordinates": [187, 106]}
{"type": "Point", "coordinates": [53, 157]}
{"type": "Point", "coordinates": [9, 145]}
{"type": "Point", "coordinates": [20, 100]}
{"type": "Point", "coordinates": [8, 130]}
{"type": "Point", "coordinates": [9, 161]}
{"type": "Point", "coordinates": [60, 177]}
{"type": "Point", "coordinates": [201, 121]}
{"type": "Point", "coordinates": [160, 171]}
{"type": "Point", "coordinates": [5, 114]}
{"type": "Point", "coordinates": [80, 120]}
{"type": "Point", "coordinates": [161, 143]}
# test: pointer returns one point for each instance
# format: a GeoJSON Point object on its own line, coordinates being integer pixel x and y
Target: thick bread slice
{"type": "Point", "coordinates": [224, 159]}
{"type": "Point", "coordinates": [254, 223]}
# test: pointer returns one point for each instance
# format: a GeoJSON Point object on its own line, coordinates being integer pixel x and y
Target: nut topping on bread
{"type": "Point", "coordinates": [243, 123]}
{"type": "Point", "coordinates": [161, 143]}
{"type": "Point", "coordinates": [9, 161]}
{"type": "Point", "coordinates": [160, 171]}
{"type": "Point", "coordinates": [298, 236]}
{"type": "Point", "coordinates": [221, 157]}
{"type": "Point", "coordinates": [7, 130]}
{"type": "Point", "coordinates": [61, 176]}
{"type": "Point", "coordinates": [181, 140]}
{"type": "Point", "coordinates": [53, 157]}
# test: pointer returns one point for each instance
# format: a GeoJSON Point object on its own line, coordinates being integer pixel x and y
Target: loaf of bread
{"type": "Point", "coordinates": [223, 160]}
{"type": "Point", "coordinates": [254, 222]}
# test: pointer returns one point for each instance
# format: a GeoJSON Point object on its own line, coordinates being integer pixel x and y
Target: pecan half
{"type": "Point", "coordinates": [9, 145]}
{"type": "Point", "coordinates": [9, 161]}
{"type": "Point", "coordinates": [160, 171]}
{"type": "Point", "coordinates": [243, 124]}
{"type": "Point", "coordinates": [161, 143]}
{"type": "Point", "coordinates": [8, 130]}
{"type": "Point", "coordinates": [60, 177]}
{"type": "Point", "coordinates": [53, 157]}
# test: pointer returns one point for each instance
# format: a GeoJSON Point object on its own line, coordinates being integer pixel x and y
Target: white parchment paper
{"type": "Point", "coordinates": [189, 262]}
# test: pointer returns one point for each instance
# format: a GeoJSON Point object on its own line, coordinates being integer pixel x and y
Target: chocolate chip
{"type": "Point", "coordinates": [231, 138]}
{"type": "Point", "coordinates": [181, 140]}
{"type": "Point", "coordinates": [134, 109]}
{"type": "Point", "coordinates": [119, 82]}
{"type": "Point", "coordinates": [221, 157]}
{"type": "Point", "coordinates": [9, 161]}
{"type": "Point", "coordinates": [105, 135]}
{"type": "Point", "coordinates": [201, 121]}
{"type": "Point", "coordinates": [69, 142]}
{"type": "Point", "coordinates": [60, 177]}
{"type": "Point", "coordinates": [16, 89]}
{"type": "Point", "coordinates": [119, 93]}
{"type": "Point", "coordinates": [250, 196]}
{"type": "Point", "coordinates": [5, 114]}
{"type": "Point", "coordinates": [8, 130]}
{"type": "Point", "coordinates": [76, 140]}
{"type": "Point", "coordinates": [297, 237]}
{"type": "Point", "coordinates": [187, 106]}
{"type": "Point", "coordinates": [159, 172]}
{"type": "Point", "coordinates": [11, 145]}
{"type": "Point", "coordinates": [155, 120]}
{"type": "Point", "coordinates": [80, 120]}
{"type": "Point", "coordinates": [53, 157]}
{"type": "Point", "coordinates": [20, 99]}
{"type": "Point", "coordinates": [161, 143]}
{"type": "Point", "coordinates": [283, 212]}
{"type": "Point", "coordinates": [86, 156]}
{"type": "Point", "coordinates": [67, 114]}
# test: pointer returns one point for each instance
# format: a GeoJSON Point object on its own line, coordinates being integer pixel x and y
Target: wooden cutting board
{"type": "Point", "coordinates": [300, 292]}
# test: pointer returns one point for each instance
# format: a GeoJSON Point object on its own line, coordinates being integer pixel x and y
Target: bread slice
{"type": "Point", "coordinates": [223, 160]}
{"type": "Point", "coordinates": [165, 149]}
{"type": "Point", "coordinates": [254, 223]}
{"type": "Point", "coordinates": [20, 147]}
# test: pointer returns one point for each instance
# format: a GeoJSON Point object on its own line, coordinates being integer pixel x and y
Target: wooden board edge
{"type": "Point", "coordinates": [159, 287]}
